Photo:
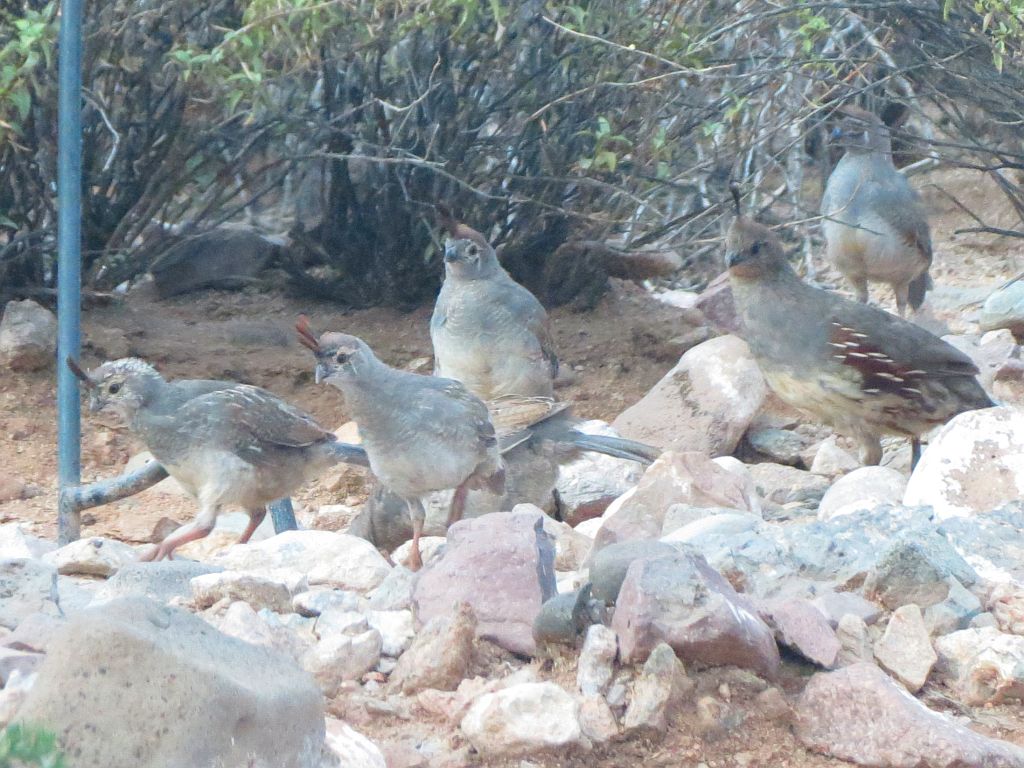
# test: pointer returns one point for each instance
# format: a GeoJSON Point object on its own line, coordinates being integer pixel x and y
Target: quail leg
{"type": "Point", "coordinates": [197, 529]}
{"type": "Point", "coordinates": [458, 506]}
{"type": "Point", "coordinates": [255, 518]}
{"type": "Point", "coordinates": [902, 298]}
{"type": "Point", "coordinates": [915, 453]}
{"type": "Point", "coordinates": [860, 288]}
{"type": "Point", "coordinates": [418, 515]}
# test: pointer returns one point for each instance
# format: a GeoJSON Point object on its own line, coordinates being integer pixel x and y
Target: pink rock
{"type": "Point", "coordinates": [802, 627]}
{"type": "Point", "coordinates": [705, 403]}
{"type": "Point", "coordinates": [503, 566]}
{"type": "Point", "coordinates": [860, 714]}
{"type": "Point", "coordinates": [682, 601]}
{"type": "Point", "coordinates": [675, 478]}
{"type": "Point", "coordinates": [717, 306]}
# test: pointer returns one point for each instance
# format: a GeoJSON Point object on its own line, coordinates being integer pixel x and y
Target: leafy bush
{"type": "Point", "coordinates": [27, 747]}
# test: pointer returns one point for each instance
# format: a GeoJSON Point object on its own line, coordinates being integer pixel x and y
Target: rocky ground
{"type": "Point", "coordinates": [754, 598]}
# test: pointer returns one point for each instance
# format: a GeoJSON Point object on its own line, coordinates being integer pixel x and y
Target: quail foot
{"type": "Point", "coordinates": [862, 370]}
{"type": "Point", "coordinates": [229, 445]}
{"type": "Point", "coordinates": [875, 225]}
{"type": "Point", "coordinates": [421, 433]}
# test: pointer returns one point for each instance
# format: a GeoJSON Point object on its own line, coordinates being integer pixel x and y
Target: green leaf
{"type": "Point", "coordinates": [22, 102]}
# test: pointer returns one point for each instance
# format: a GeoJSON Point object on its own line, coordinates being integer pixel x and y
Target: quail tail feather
{"type": "Point", "coordinates": [619, 447]}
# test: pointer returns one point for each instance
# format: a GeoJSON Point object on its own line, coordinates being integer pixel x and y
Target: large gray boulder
{"type": "Point", "coordinates": [135, 684]}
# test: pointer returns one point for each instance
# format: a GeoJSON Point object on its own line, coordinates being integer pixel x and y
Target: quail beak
{"type": "Point", "coordinates": [321, 372]}
{"type": "Point", "coordinates": [451, 253]}
{"type": "Point", "coordinates": [837, 133]}
{"type": "Point", "coordinates": [96, 402]}
{"type": "Point", "coordinates": [734, 258]}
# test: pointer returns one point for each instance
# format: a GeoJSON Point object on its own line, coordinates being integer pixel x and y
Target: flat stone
{"type": "Point", "coordinates": [332, 559]}
{"type": "Point", "coordinates": [502, 564]}
{"type": "Point", "coordinates": [704, 404]}
{"type": "Point", "coordinates": [563, 619]}
{"type": "Point", "coordinates": [28, 336]}
{"type": "Point", "coordinates": [96, 690]}
{"type": "Point", "coordinates": [440, 655]}
{"type": "Point", "coordinates": [803, 628]}
{"type": "Point", "coordinates": [26, 587]}
{"type": "Point", "coordinates": [832, 461]}
{"type": "Point", "coordinates": [782, 446]}
{"type": "Point", "coordinates": [161, 581]}
{"type": "Point", "coordinates": [315, 602]}
{"type": "Point", "coordinates": [597, 660]}
{"type": "Point", "coordinates": [854, 641]}
{"type": "Point", "coordinates": [396, 630]}
{"type": "Point", "coordinates": [16, 543]}
{"type": "Point", "coordinates": [983, 666]}
{"type": "Point", "coordinates": [597, 721]}
{"type": "Point", "coordinates": [905, 650]}
{"type": "Point", "coordinates": [345, 747]}
{"type": "Point", "coordinates": [861, 715]}
{"type": "Point", "coordinates": [339, 657]}
{"type": "Point", "coordinates": [862, 489]}
{"type": "Point", "coordinates": [675, 478]}
{"type": "Point", "coordinates": [915, 568]}
{"type": "Point", "coordinates": [835, 605]}
{"type": "Point", "coordinates": [609, 566]}
{"type": "Point", "coordinates": [682, 601]}
{"type": "Point", "coordinates": [254, 589]}
{"type": "Point", "coordinates": [525, 719]}
{"type": "Point", "coordinates": [661, 686]}
{"type": "Point", "coordinates": [94, 556]}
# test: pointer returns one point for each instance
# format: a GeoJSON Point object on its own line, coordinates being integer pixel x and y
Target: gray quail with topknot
{"type": "Point", "coordinates": [875, 225]}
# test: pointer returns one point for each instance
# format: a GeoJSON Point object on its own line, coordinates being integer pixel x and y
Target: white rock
{"type": "Point", "coordinates": [724, 524]}
{"type": "Point", "coordinates": [597, 660]}
{"type": "Point", "coordinates": [333, 559]}
{"type": "Point", "coordinates": [597, 719]}
{"type": "Point", "coordinates": [28, 336]}
{"type": "Point", "coordinates": [748, 484]}
{"type": "Point", "coordinates": [431, 548]}
{"type": "Point", "coordinates": [345, 747]}
{"type": "Point", "coordinates": [94, 556]}
{"type": "Point", "coordinates": [831, 460]}
{"type": "Point", "coordinates": [571, 547]}
{"type": "Point", "coordinates": [340, 621]}
{"type": "Point", "coordinates": [905, 650]}
{"type": "Point", "coordinates": [316, 601]}
{"type": "Point", "coordinates": [589, 483]}
{"type": "Point", "coordinates": [338, 658]}
{"type": "Point", "coordinates": [705, 403]}
{"type": "Point", "coordinates": [396, 630]}
{"type": "Point", "coordinates": [13, 695]}
{"type": "Point", "coordinates": [18, 544]}
{"type": "Point", "coordinates": [590, 527]}
{"type": "Point", "coordinates": [256, 590]}
{"type": "Point", "coordinates": [862, 489]}
{"type": "Point", "coordinates": [242, 622]}
{"type": "Point", "coordinates": [522, 720]}
{"type": "Point", "coordinates": [1006, 603]}
{"type": "Point", "coordinates": [983, 665]}
{"type": "Point", "coordinates": [973, 465]}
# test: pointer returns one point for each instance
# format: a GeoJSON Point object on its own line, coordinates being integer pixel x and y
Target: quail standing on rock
{"type": "Point", "coordinates": [862, 370]}
{"type": "Point", "coordinates": [421, 433]}
{"type": "Point", "coordinates": [227, 444]}
{"type": "Point", "coordinates": [875, 225]}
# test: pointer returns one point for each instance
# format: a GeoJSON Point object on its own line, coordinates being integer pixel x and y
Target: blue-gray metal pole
{"type": "Point", "coordinates": [69, 261]}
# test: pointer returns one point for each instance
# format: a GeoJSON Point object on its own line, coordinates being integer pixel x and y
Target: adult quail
{"type": "Point", "coordinates": [227, 444]}
{"type": "Point", "coordinates": [493, 335]}
{"type": "Point", "coordinates": [421, 433]}
{"type": "Point", "coordinates": [488, 331]}
{"type": "Point", "coordinates": [862, 370]}
{"type": "Point", "coordinates": [875, 225]}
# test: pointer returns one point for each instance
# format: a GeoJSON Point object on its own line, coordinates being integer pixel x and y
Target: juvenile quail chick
{"type": "Point", "coordinates": [488, 331]}
{"type": "Point", "coordinates": [863, 371]}
{"type": "Point", "coordinates": [875, 225]}
{"type": "Point", "coordinates": [227, 444]}
{"type": "Point", "coordinates": [421, 433]}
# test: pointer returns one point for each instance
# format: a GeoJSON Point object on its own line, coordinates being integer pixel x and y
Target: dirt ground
{"type": "Point", "coordinates": [615, 353]}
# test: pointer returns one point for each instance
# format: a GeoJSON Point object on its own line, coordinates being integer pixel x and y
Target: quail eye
{"type": "Point", "coordinates": [473, 251]}
{"type": "Point", "coordinates": [342, 357]}
{"type": "Point", "coordinates": [755, 249]}
{"type": "Point", "coordinates": [114, 388]}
